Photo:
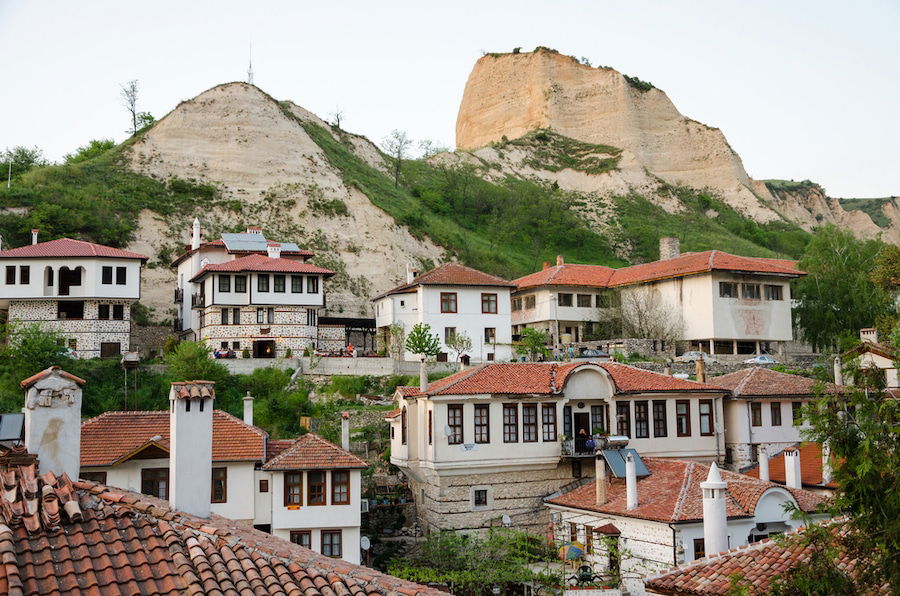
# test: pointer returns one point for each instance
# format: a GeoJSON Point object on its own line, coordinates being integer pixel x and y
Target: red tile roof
{"type": "Point", "coordinates": [880, 349]}
{"type": "Point", "coordinates": [67, 247]}
{"type": "Point", "coordinates": [275, 447]}
{"type": "Point", "coordinates": [810, 467]}
{"type": "Point", "coordinates": [595, 276]}
{"type": "Point", "coordinates": [60, 537]}
{"type": "Point", "coordinates": [671, 493]}
{"type": "Point", "coordinates": [190, 389]}
{"type": "Point", "coordinates": [312, 452]}
{"type": "Point", "coordinates": [48, 371]}
{"type": "Point", "coordinates": [114, 436]}
{"type": "Point", "coordinates": [188, 251]}
{"type": "Point", "coordinates": [548, 378]}
{"type": "Point", "coordinates": [394, 413]}
{"type": "Point", "coordinates": [450, 274]}
{"type": "Point", "coordinates": [262, 264]}
{"type": "Point", "coordinates": [758, 381]}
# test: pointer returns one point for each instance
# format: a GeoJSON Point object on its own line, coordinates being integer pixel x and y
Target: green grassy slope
{"type": "Point", "coordinates": [871, 207]}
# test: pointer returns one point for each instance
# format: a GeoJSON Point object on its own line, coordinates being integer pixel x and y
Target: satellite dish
{"type": "Point", "coordinates": [506, 521]}
{"type": "Point", "coordinates": [364, 543]}
{"type": "Point", "coordinates": [447, 430]}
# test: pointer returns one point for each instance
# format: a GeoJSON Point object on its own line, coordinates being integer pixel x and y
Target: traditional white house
{"type": "Point", "coordinates": [725, 304]}
{"type": "Point", "coordinates": [451, 299]}
{"type": "Point", "coordinates": [872, 355]}
{"type": "Point", "coordinates": [135, 450]}
{"type": "Point", "coordinates": [633, 525]}
{"type": "Point", "coordinates": [244, 292]}
{"type": "Point", "coordinates": [80, 290]}
{"type": "Point", "coordinates": [497, 438]}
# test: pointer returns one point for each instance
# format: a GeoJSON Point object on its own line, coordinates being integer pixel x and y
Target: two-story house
{"type": "Point", "coordinates": [723, 303]}
{"type": "Point", "coordinates": [80, 290]}
{"type": "Point", "coordinates": [497, 438]}
{"type": "Point", "coordinates": [244, 292]}
{"type": "Point", "coordinates": [451, 299]}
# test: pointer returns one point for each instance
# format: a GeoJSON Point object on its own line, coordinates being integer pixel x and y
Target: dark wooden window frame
{"type": "Point", "coordinates": [482, 423]}
{"type": "Point", "coordinates": [448, 302]}
{"type": "Point", "coordinates": [548, 423]}
{"type": "Point", "coordinates": [529, 428]}
{"type": "Point", "coordinates": [455, 422]}
{"type": "Point", "coordinates": [291, 480]}
{"type": "Point", "coordinates": [686, 416]}
{"type": "Point", "coordinates": [660, 418]}
{"type": "Point", "coordinates": [489, 301]}
{"type": "Point", "coordinates": [711, 415]}
{"type": "Point", "coordinates": [340, 479]}
{"type": "Point", "coordinates": [642, 418]}
{"type": "Point", "coordinates": [332, 543]}
{"type": "Point", "coordinates": [313, 489]}
{"type": "Point", "coordinates": [510, 423]}
{"type": "Point", "coordinates": [223, 480]}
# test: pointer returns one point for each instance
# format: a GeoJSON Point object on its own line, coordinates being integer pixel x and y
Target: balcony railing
{"type": "Point", "coordinates": [579, 447]}
{"type": "Point", "coordinates": [178, 324]}
{"type": "Point", "coordinates": [198, 301]}
{"type": "Point", "coordinates": [179, 295]}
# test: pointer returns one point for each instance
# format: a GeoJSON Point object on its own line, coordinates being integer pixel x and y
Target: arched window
{"type": "Point", "coordinates": [403, 425]}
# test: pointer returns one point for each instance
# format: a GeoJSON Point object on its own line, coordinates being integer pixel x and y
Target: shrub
{"type": "Point", "coordinates": [191, 361]}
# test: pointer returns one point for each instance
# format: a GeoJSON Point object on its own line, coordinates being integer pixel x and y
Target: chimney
{"type": "Point", "coordinates": [701, 369]}
{"type": "Point", "coordinates": [560, 261]}
{"type": "Point", "coordinates": [1, 242]}
{"type": "Point", "coordinates": [254, 230]}
{"type": "Point", "coordinates": [827, 472]}
{"type": "Point", "coordinates": [274, 250]}
{"type": "Point", "coordinates": [838, 371]}
{"type": "Point", "coordinates": [195, 234]}
{"type": "Point", "coordinates": [410, 273]}
{"type": "Point", "coordinates": [869, 334]}
{"type": "Point", "coordinates": [248, 409]}
{"type": "Point", "coordinates": [423, 376]}
{"type": "Point", "coordinates": [345, 431]}
{"type": "Point", "coordinates": [667, 369]}
{"type": "Point", "coordinates": [792, 468]}
{"type": "Point", "coordinates": [600, 482]}
{"type": "Point", "coordinates": [669, 248]}
{"type": "Point", "coordinates": [545, 266]}
{"type": "Point", "coordinates": [763, 463]}
{"type": "Point", "coordinates": [631, 493]}
{"type": "Point", "coordinates": [53, 420]}
{"type": "Point", "coordinates": [34, 235]}
{"type": "Point", "coordinates": [715, 520]}
{"type": "Point", "coordinates": [190, 446]}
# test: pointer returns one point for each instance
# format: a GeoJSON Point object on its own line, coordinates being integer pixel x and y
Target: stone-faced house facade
{"type": "Point", "coordinates": [80, 290]}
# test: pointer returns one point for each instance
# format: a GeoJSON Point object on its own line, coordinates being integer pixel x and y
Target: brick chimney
{"type": "Point", "coordinates": [34, 235]}
{"type": "Point", "coordinates": [190, 446]}
{"type": "Point", "coordinates": [669, 248]}
{"type": "Point", "coordinates": [53, 420]}
{"type": "Point", "coordinates": [545, 266]}
{"type": "Point", "coordinates": [560, 261]}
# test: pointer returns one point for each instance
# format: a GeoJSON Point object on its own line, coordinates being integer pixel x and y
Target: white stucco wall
{"type": "Point", "coordinates": [91, 278]}
{"type": "Point", "coordinates": [739, 430]}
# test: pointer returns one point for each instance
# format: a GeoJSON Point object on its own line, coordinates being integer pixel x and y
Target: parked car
{"type": "Point", "coordinates": [595, 355]}
{"type": "Point", "coordinates": [761, 359]}
{"type": "Point", "coordinates": [695, 356]}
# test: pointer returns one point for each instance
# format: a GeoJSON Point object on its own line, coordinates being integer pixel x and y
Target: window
{"type": "Point", "coordinates": [756, 413]}
{"type": "Point", "coordinates": [240, 283]}
{"type": "Point", "coordinates": [263, 485]}
{"type": "Point", "coordinates": [510, 423]}
{"type": "Point", "coordinates": [121, 275]}
{"type": "Point", "coordinates": [260, 316]}
{"type": "Point", "coordinates": [530, 301]}
{"type": "Point", "coordinates": [70, 310]}
{"type": "Point", "coordinates": [99, 477]}
{"type": "Point", "coordinates": [225, 283]}
{"type": "Point", "coordinates": [480, 497]}
{"type": "Point", "coordinates": [312, 317]}
{"type": "Point", "coordinates": [430, 428]}
{"type": "Point", "coordinates": [236, 345]}
{"type": "Point", "coordinates": [699, 548]}
{"type": "Point", "coordinates": [750, 291]}
{"type": "Point", "coordinates": [118, 312]}
{"type": "Point", "coordinates": [659, 419]}
{"type": "Point", "coordinates": [293, 489]}
{"type": "Point", "coordinates": [455, 422]}
{"type": "Point", "coordinates": [108, 349]}
{"type": "Point", "coordinates": [482, 423]}
{"type": "Point", "coordinates": [448, 301]}
{"type": "Point", "coordinates": [584, 300]}
{"type": "Point", "coordinates": [340, 487]}
{"type": "Point", "coordinates": [219, 485]}
{"type": "Point", "coordinates": [797, 412]}
{"type": "Point", "coordinates": [576, 468]}
{"type": "Point", "coordinates": [403, 426]}
{"type": "Point", "coordinates": [235, 316]}
{"type": "Point", "coordinates": [565, 299]}
{"type": "Point", "coordinates": [271, 315]}
{"type": "Point", "coordinates": [331, 543]}
{"type": "Point", "coordinates": [25, 274]}
{"type": "Point", "coordinates": [226, 316]}
{"type": "Point", "coordinates": [548, 418]}
{"type": "Point", "coordinates": [529, 423]}
{"type": "Point", "coordinates": [315, 488]}
{"type": "Point", "coordinates": [106, 275]}
{"type": "Point", "coordinates": [10, 275]}
{"type": "Point", "coordinates": [599, 418]}
{"type": "Point", "coordinates": [449, 334]}
{"type": "Point", "coordinates": [567, 420]}
{"type": "Point", "coordinates": [103, 311]}
{"type": "Point", "coordinates": [641, 420]}
{"type": "Point", "coordinates": [262, 282]}
{"type": "Point", "coordinates": [312, 284]}
{"type": "Point", "coordinates": [773, 292]}
{"type": "Point", "coordinates": [588, 540]}
{"type": "Point", "coordinates": [279, 283]}
{"type": "Point", "coordinates": [573, 532]}
{"type": "Point", "coordinates": [49, 276]}
{"type": "Point", "coordinates": [296, 284]}
{"type": "Point", "coordinates": [728, 289]}
{"type": "Point", "coordinates": [223, 345]}
{"type": "Point", "coordinates": [490, 335]}
{"type": "Point", "coordinates": [683, 418]}
{"type": "Point", "coordinates": [155, 482]}
{"type": "Point", "coordinates": [302, 537]}
{"type": "Point", "coordinates": [489, 304]}
{"type": "Point", "coordinates": [623, 418]}
{"type": "Point", "coordinates": [706, 417]}
{"type": "Point", "coordinates": [516, 304]}
{"type": "Point", "coordinates": [775, 408]}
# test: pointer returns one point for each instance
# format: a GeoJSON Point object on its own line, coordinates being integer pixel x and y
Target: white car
{"type": "Point", "coordinates": [695, 356]}
{"type": "Point", "coordinates": [761, 359]}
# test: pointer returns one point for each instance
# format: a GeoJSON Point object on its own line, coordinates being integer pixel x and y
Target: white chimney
{"type": "Point", "coordinates": [763, 463]}
{"type": "Point", "coordinates": [345, 431]}
{"type": "Point", "coordinates": [715, 518]}
{"type": "Point", "coordinates": [838, 371]}
{"type": "Point", "coordinates": [53, 420]}
{"type": "Point", "coordinates": [1, 242]}
{"type": "Point", "coordinates": [631, 492]}
{"type": "Point", "coordinates": [560, 261]}
{"type": "Point", "coordinates": [254, 230]}
{"type": "Point", "coordinates": [190, 446]}
{"type": "Point", "coordinates": [195, 234]}
{"type": "Point", "coordinates": [34, 235]}
{"type": "Point", "coordinates": [869, 334]}
{"type": "Point", "coordinates": [827, 472]}
{"type": "Point", "coordinates": [274, 250]}
{"type": "Point", "coordinates": [669, 248]}
{"type": "Point", "coordinates": [410, 273]}
{"type": "Point", "coordinates": [600, 465]}
{"type": "Point", "coordinates": [248, 409]}
{"type": "Point", "coordinates": [792, 468]}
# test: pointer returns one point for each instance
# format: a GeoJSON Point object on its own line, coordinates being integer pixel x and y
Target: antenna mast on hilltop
{"type": "Point", "coordinates": [250, 67]}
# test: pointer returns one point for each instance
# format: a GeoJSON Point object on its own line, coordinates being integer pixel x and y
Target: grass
{"type": "Point", "coordinates": [553, 152]}
{"type": "Point", "coordinates": [789, 185]}
{"type": "Point", "coordinates": [871, 207]}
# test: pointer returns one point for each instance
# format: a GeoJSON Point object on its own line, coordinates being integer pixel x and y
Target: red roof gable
{"type": "Point", "coordinates": [450, 274]}
{"type": "Point", "coordinates": [67, 247]}
{"type": "Point", "coordinates": [758, 381]}
{"type": "Point", "coordinates": [312, 452]}
{"type": "Point", "coordinates": [596, 276]}
{"type": "Point", "coordinates": [262, 264]}
{"type": "Point", "coordinates": [48, 371]}
{"type": "Point", "coordinates": [810, 467]}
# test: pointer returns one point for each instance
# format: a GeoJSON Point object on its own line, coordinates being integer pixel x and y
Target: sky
{"type": "Point", "coordinates": [801, 89]}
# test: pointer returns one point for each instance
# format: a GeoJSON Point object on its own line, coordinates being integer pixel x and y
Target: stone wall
{"type": "Point", "coordinates": [149, 339]}
{"type": "Point", "coordinates": [742, 456]}
{"type": "Point", "coordinates": [288, 329]}
{"type": "Point", "coordinates": [84, 335]}
{"type": "Point", "coordinates": [331, 337]}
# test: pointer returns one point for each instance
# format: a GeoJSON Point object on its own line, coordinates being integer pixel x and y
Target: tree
{"type": "Point", "coordinates": [397, 145]}
{"type": "Point", "coordinates": [644, 315]}
{"type": "Point", "coordinates": [533, 343]}
{"type": "Point", "coordinates": [837, 297]}
{"type": "Point", "coordinates": [422, 342]}
{"type": "Point", "coordinates": [192, 361]}
{"type": "Point", "coordinates": [336, 116]}
{"type": "Point", "coordinates": [20, 159]}
{"type": "Point", "coordinates": [32, 348]}
{"type": "Point", "coordinates": [145, 119]}
{"type": "Point", "coordinates": [431, 148]}
{"type": "Point", "coordinates": [91, 150]}
{"type": "Point", "coordinates": [459, 343]}
{"type": "Point", "coordinates": [129, 100]}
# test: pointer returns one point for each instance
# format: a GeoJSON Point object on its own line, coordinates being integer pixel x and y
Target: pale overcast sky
{"type": "Point", "coordinates": [801, 89]}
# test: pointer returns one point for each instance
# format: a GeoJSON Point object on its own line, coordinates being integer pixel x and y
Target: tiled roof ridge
{"type": "Point", "coordinates": [111, 413]}
{"type": "Point", "coordinates": [461, 377]}
{"type": "Point", "coordinates": [683, 491]}
{"type": "Point", "coordinates": [607, 365]}
{"type": "Point", "coordinates": [740, 386]}
{"type": "Point", "coordinates": [234, 418]}
{"type": "Point", "coordinates": [91, 246]}
{"type": "Point", "coordinates": [302, 441]}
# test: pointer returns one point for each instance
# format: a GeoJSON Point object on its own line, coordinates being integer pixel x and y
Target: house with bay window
{"type": "Point", "coordinates": [79, 290]}
{"type": "Point", "coordinates": [451, 299]}
{"type": "Point", "coordinates": [497, 438]}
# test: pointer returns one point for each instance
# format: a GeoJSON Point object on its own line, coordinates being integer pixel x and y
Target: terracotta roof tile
{"type": "Point", "coordinates": [48, 371]}
{"type": "Point", "coordinates": [275, 447]}
{"type": "Point", "coordinates": [261, 263]}
{"type": "Point", "coordinates": [758, 381]}
{"type": "Point", "coordinates": [450, 274]}
{"type": "Point", "coordinates": [810, 467]}
{"type": "Point", "coordinates": [112, 436]}
{"type": "Point", "coordinates": [595, 276]}
{"type": "Point", "coordinates": [67, 247]}
{"type": "Point", "coordinates": [312, 452]}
